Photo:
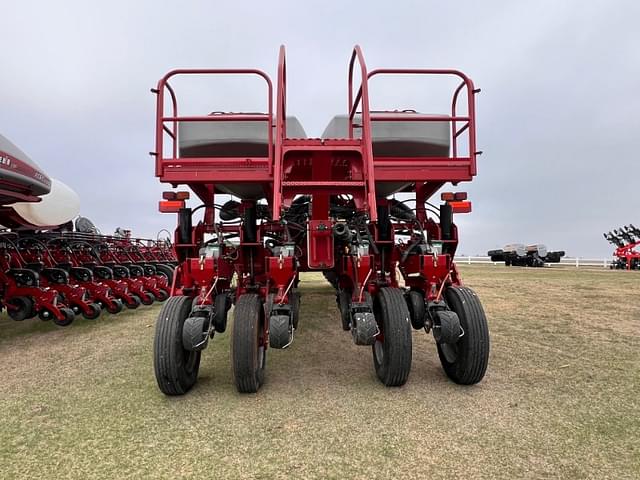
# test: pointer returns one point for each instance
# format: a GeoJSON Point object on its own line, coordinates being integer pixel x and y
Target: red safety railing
{"type": "Point", "coordinates": [367, 150]}
{"type": "Point", "coordinates": [168, 125]}
{"type": "Point", "coordinates": [361, 98]}
{"type": "Point", "coordinates": [281, 130]}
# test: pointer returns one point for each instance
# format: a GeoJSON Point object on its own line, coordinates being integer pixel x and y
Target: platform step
{"type": "Point", "coordinates": [319, 142]}
{"type": "Point", "coordinates": [324, 184]}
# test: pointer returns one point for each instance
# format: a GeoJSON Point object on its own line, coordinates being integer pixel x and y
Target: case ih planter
{"type": "Point", "coordinates": [317, 204]}
{"type": "Point", "coordinates": [58, 276]}
{"type": "Point", "coordinates": [627, 241]}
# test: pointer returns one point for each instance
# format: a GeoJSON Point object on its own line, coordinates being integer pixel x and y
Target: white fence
{"type": "Point", "coordinates": [565, 261]}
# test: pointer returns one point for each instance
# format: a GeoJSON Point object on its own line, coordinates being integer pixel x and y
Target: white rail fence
{"type": "Point", "coordinates": [564, 262]}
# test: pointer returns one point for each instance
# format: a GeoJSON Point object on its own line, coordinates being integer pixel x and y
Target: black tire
{"type": "Point", "coordinates": [115, 307]}
{"type": "Point", "coordinates": [248, 354]}
{"type": "Point", "coordinates": [135, 302]}
{"type": "Point", "coordinates": [24, 308]}
{"type": "Point", "coordinates": [162, 295]}
{"type": "Point", "coordinates": [167, 271]}
{"type": "Point", "coordinates": [221, 307]}
{"type": "Point", "coordinates": [294, 301]}
{"type": "Point", "coordinates": [465, 362]}
{"type": "Point", "coordinates": [148, 299]}
{"type": "Point", "coordinates": [69, 316]}
{"type": "Point", "coordinates": [417, 309]}
{"type": "Point", "coordinates": [392, 355]}
{"type": "Point", "coordinates": [176, 369]}
{"type": "Point", "coordinates": [195, 334]}
{"type": "Point", "coordinates": [344, 305]}
{"type": "Point", "coordinates": [94, 312]}
{"type": "Point", "coordinates": [279, 331]}
{"type": "Point", "coordinates": [331, 277]}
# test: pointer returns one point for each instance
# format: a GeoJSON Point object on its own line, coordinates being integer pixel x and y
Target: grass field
{"type": "Point", "coordinates": [561, 398]}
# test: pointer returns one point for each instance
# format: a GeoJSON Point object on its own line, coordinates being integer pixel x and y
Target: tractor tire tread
{"type": "Point", "coordinates": [168, 352]}
{"type": "Point", "coordinates": [472, 366]}
{"type": "Point", "coordinates": [396, 365]}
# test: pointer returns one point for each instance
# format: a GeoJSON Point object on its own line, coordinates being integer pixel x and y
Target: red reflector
{"type": "Point", "coordinates": [460, 207]}
{"type": "Point", "coordinates": [169, 195]}
{"type": "Point", "coordinates": [447, 196]}
{"type": "Point", "coordinates": [459, 196]}
{"type": "Point", "coordinates": [170, 206]}
{"type": "Point", "coordinates": [185, 196]}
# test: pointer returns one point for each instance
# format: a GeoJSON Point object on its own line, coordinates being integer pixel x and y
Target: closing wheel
{"type": "Point", "coordinates": [417, 310]}
{"type": "Point", "coordinates": [248, 352]}
{"type": "Point", "coordinates": [134, 303]}
{"type": "Point", "coordinates": [294, 301]}
{"type": "Point", "coordinates": [176, 368]}
{"type": "Point", "coordinates": [68, 314]}
{"type": "Point", "coordinates": [93, 313]}
{"type": "Point", "coordinates": [344, 305]}
{"type": "Point", "coordinates": [331, 277]}
{"type": "Point", "coordinates": [222, 304]}
{"type": "Point", "coordinates": [22, 308]}
{"type": "Point", "coordinates": [280, 331]}
{"type": "Point", "coordinates": [162, 295]}
{"type": "Point", "coordinates": [166, 271]}
{"type": "Point", "coordinates": [465, 362]}
{"type": "Point", "coordinates": [115, 306]}
{"type": "Point", "coordinates": [392, 348]}
{"type": "Point", "coordinates": [148, 299]}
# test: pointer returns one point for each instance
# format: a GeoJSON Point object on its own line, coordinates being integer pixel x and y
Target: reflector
{"type": "Point", "coordinates": [447, 196]}
{"type": "Point", "coordinates": [460, 207]}
{"type": "Point", "coordinates": [459, 196]}
{"type": "Point", "coordinates": [170, 206]}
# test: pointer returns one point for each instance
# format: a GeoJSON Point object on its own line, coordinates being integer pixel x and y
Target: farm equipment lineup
{"type": "Point", "coordinates": [627, 242]}
{"type": "Point", "coordinates": [317, 204]}
{"type": "Point", "coordinates": [50, 271]}
{"type": "Point", "coordinates": [59, 275]}
{"type": "Point", "coordinates": [518, 254]}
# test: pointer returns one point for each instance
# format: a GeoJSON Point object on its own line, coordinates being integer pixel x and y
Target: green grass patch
{"type": "Point", "coordinates": [560, 399]}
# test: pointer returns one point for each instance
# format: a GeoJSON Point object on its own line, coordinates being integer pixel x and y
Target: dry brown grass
{"type": "Point", "coordinates": [561, 398]}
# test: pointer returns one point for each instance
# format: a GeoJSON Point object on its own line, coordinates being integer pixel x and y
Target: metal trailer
{"type": "Point", "coordinates": [321, 205]}
{"type": "Point", "coordinates": [518, 254]}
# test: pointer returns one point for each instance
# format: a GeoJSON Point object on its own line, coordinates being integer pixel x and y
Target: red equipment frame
{"type": "Point", "coordinates": [333, 173]}
{"type": "Point", "coordinates": [629, 254]}
{"type": "Point", "coordinates": [428, 173]}
{"type": "Point", "coordinates": [58, 275]}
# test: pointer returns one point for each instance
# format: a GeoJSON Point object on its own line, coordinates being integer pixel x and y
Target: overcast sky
{"type": "Point", "coordinates": [557, 117]}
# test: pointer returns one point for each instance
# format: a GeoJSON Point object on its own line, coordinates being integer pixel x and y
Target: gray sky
{"type": "Point", "coordinates": [557, 117]}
